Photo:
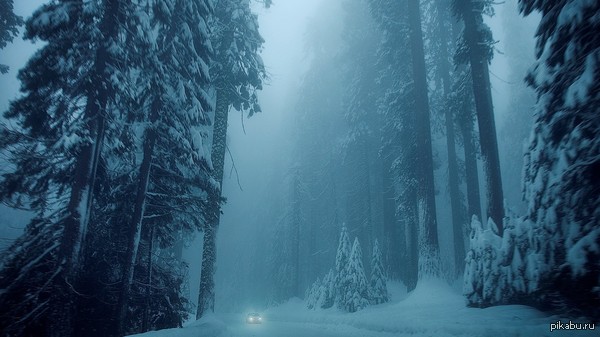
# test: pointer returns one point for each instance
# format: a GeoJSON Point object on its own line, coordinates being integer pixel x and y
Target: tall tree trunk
{"type": "Point", "coordinates": [146, 318]}
{"type": "Point", "coordinates": [82, 191]}
{"type": "Point", "coordinates": [135, 225]}
{"type": "Point", "coordinates": [485, 110]}
{"type": "Point", "coordinates": [458, 221]}
{"type": "Point", "coordinates": [471, 172]}
{"type": "Point", "coordinates": [367, 216]}
{"type": "Point", "coordinates": [392, 228]}
{"type": "Point", "coordinates": [296, 233]}
{"type": "Point", "coordinates": [206, 295]}
{"type": "Point", "coordinates": [411, 226]}
{"type": "Point", "coordinates": [425, 188]}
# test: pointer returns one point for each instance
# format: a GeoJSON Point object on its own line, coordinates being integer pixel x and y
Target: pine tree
{"type": "Point", "coordinates": [354, 286]}
{"type": "Point", "coordinates": [69, 87]}
{"type": "Point", "coordinates": [174, 117]}
{"type": "Point", "coordinates": [327, 299]}
{"type": "Point", "coordinates": [562, 162]}
{"type": "Point", "coordinates": [341, 262]}
{"type": "Point", "coordinates": [9, 27]}
{"type": "Point", "coordinates": [378, 286]}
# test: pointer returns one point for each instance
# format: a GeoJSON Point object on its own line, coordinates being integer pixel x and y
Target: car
{"type": "Point", "coordinates": [253, 318]}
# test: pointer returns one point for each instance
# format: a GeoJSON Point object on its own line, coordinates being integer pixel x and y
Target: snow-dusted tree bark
{"type": "Point", "coordinates": [9, 27]}
{"type": "Point", "coordinates": [475, 48]}
{"type": "Point", "coordinates": [563, 159]}
{"type": "Point", "coordinates": [206, 296]}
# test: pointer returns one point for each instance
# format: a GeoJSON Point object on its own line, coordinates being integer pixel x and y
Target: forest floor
{"type": "Point", "coordinates": [433, 309]}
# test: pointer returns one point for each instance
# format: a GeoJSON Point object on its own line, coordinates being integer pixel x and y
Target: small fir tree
{"type": "Point", "coordinates": [341, 261]}
{"type": "Point", "coordinates": [378, 287]}
{"type": "Point", "coordinates": [355, 290]}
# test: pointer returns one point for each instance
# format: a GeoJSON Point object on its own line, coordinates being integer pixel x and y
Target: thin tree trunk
{"type": "Point", "coordinates": [473, 198]}
{"type": "Point", "coordinates": [485, 111]}
{"type": "Point", "coordinates": [443, 12]}
{"type": "Point", "coordinates": [146, 318]}
{"type": "Point", "coordinates": [206, 295]}
{"type": "Point", "coordinates": [135, 226]}
{"type": "Point", "coordinates": [296, 234]}
{"type": "Point", "coordinates": [425, 188]}
{"type": "Point", "coordinates": [412, 245]}
{"type": "Point", "coordinates": [393, 233]}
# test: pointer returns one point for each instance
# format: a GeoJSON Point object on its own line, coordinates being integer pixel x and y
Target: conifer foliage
{"type": "Point", "coordinates": [348, 287]}
{"type": "Point", "coordinates": [562, 164]}
{"type": "Point", "coordinates": [110, 150]}
{"type": "Point", "coordinates": [9, 23]}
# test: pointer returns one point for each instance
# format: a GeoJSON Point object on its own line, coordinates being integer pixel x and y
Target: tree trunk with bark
{"type": "Point", "coordinates": [135, 226]}
{"type": "Point", "coordinates": [146, 318]}
{"type": "Point", "coordinates": [458, 221]}
{"type": "Point", "coordinates": [82, 191]}
{"type": "Point", "coordinates": [471, 172]}
{"type": "Point", "coordinates": [478, 57]}
{"type": "Point", "coordinates": [425, 188]}
{"type": "Point", "coordinates": [206, 295]}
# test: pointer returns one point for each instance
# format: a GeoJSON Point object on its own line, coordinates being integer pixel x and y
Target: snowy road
{"type": "Point", "coordinates": [431, 310]}
{"type": "Point", "coordinates": [270, 328]}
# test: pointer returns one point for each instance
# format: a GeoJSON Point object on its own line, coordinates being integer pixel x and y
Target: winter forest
{"type": "Point", "coordinates": [332, 167]}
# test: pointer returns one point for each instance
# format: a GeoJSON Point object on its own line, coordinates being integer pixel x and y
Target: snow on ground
{"type": "Point", "coordinates": [433, 309]}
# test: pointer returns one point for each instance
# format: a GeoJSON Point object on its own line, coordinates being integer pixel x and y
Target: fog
{"type": "Point", "coordinates": [260, 150]}
{"type": "Point", "coordinates": [370, 175]}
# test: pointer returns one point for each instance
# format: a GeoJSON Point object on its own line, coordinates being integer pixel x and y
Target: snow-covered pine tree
{"type": "Point", "coordinates": [563, 160]}
{"type": "Point", "coordinates": [321, 294]}
{"type": "Point", "coordinates": [327, 299]}
{"type": "Point", "coordinates": [314, 294]}
{"type": "Point", "coordinates": [354, 287]}
{"type": "Point", "coordinates": [174, 121]}
{"type": "Point", "coordinates": [68, 88]}
{"type": "Point", "coordinates": [9, 28]}
{"type": "Point", "coordinates": [481, 283]}
{"type": "Point", "coordinates": [378, 286]}
{"type": "Point", "coordinates": [503, 270]}
{"type": "Point", "coordinates": [237, 73]}
{"type": "Point", "coordinates": [342, 257]}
